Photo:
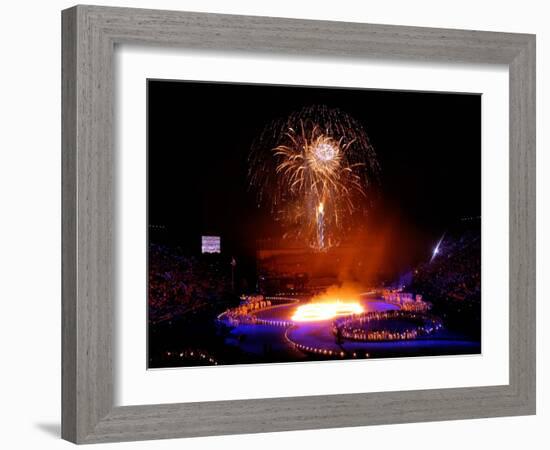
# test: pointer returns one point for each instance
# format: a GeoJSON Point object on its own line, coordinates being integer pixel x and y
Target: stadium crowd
{"type": "Point", "coordinates": [181, 284]}
{"type": "Point", "coordinates": [454, 273]}
{"type": "Point", "coordinates": [451, 281]}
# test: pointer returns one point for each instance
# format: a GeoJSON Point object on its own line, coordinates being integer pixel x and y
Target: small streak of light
{"type": "Point", "coordinates": [436, 249]}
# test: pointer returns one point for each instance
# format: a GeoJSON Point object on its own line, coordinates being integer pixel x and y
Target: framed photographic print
{"type": "Point", "coordinates": [305, 210]}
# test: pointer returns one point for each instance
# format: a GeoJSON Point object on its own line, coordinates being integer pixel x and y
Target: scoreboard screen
{"type": "Point", "coordinates": [211, 244]}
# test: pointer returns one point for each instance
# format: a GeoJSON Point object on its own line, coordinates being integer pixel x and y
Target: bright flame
{"type": "Point", "coordinates": [320, 208]}
{"type": "Point", "coordinates": [313, 312]}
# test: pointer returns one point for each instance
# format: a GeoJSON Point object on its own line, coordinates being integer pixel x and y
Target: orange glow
{"type": "Point", "coordinates": [313, 312]}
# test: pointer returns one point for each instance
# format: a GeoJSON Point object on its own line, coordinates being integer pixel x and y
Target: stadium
{"type": "Point", "coordinates": [307, 315]}
{"type": "Point", "coordinates": [295, 224]}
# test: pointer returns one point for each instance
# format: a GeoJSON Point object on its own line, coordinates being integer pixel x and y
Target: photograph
{"type": "Point", "coordinates": [266, 225]}
{"type": "Point", "coordinates": [291, 224]}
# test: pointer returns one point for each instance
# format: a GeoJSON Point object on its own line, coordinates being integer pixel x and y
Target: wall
{"type": "Point", "coordinates": [30, 221]}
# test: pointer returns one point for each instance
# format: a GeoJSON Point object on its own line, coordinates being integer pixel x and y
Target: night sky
{"type": "Point", "coordinates": [199, 136]}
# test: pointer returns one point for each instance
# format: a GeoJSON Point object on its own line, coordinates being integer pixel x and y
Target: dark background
{"type": "Point", "coordinates": [200, 134]}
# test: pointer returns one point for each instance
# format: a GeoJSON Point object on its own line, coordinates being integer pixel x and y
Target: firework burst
{"type": "Point", "coordinates": [314, 169]}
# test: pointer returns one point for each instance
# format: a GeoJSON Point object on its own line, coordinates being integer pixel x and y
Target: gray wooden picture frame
{"type": "Point", "coordinates": [90, 34]}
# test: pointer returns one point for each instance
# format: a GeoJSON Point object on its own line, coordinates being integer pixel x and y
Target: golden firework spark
{"type": "Point", "coordinates": [313, 168]}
